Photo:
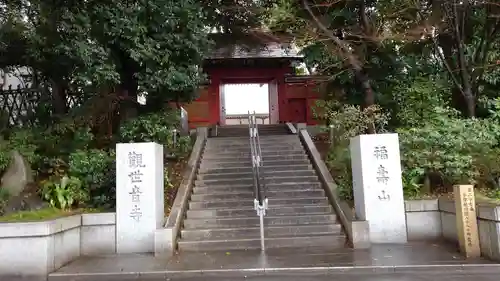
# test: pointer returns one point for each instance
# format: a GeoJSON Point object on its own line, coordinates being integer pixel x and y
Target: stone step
{"type": "Point", "coordinates": [248, 169]}
{"type": "Point", "coordinates": [273, 203]}
{"type": "Point", "coordinates": [243, 134]}
{"type": "Point", "coordinates": [276, 187]}
{"type": "Point", "coordinates": [264, 149]}
{"type": "Point", "coordinates": [254, 232]}
{"type": "Point", "coordinates": [253, 221]}
{"type": "Point", "coordinates": [248, 154]}
{"type": "Point", "coordinates": [205, 165]}
{"type": "Point", "coordinates": [249, 195]}
{"type": "Point", "coordinates": [266, 174]}
{"type": "Point", "coordinates": [249, 180]}
{"type": "Point", "coordinates": [271, 242]}
{"type": "Point", "coordinates": [245, 128]}
{"type": "Point", "coordinates": [249, 211]}
{"type": "Point", "coordinates": [245, 139]}
{"type": "Point", "coordinates": [246, 145]}
{"type": "Point", "coordinates": [233, 159]}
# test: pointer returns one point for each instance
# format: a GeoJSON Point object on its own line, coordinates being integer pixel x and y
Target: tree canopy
{"type": "Point", "coordinates": [383, 43]}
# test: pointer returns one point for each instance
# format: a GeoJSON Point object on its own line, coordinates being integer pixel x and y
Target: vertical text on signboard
{"type": "Point", "coordinates": [136, 166]}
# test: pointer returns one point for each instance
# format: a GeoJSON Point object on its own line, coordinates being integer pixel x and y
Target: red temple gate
{"type": "Point", "coordinates": [292, 97]}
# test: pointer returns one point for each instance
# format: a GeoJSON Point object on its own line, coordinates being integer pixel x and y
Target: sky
{"type": "Point", "coordinates": [240, 98]}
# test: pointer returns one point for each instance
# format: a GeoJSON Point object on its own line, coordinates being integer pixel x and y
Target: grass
{"type": "Point", "coordinates": [43, 214]}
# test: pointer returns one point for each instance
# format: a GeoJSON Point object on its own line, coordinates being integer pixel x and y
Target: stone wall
{"type": "Point", "coordinates": [436, 219]}
{"type": "Point", "coordinates": [38, 248]}
{"type": "Point", "coordinates": [35, 249]}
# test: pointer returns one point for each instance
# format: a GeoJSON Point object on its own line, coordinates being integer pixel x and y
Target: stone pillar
{"type": "Point", "coordinates": [139, 196]}
{"type": "Point", "coordinates": [465, 209]}
{"type": "Point", "coordinates": [184, 130]}
{"type": "Point", "coordinates": [378, 188]}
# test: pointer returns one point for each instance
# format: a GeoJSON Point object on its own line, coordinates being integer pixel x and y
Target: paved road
{"type": "Point", "coordinates": [333, 277]}
{"type": "Point", "coordinates": [364, 277]}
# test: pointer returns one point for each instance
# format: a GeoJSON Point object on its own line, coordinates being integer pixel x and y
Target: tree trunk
{"type": "Point", "coordinates": [470, 102]}
{"type": "Point", "coordinates": [59, 98]}
{"type": "Point", "coordinates": [129, 85]}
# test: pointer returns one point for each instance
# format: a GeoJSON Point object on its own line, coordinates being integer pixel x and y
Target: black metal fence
{"type": "Point", "coordinates": [22, 107]}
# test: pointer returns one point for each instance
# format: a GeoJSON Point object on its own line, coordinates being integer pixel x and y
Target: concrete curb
{"type": "Point", "coordinates": [357, 231]}
{"type": "Point", "coordinates": [166, 239]}
{"type": "Point", "coordinates": [249, 272]}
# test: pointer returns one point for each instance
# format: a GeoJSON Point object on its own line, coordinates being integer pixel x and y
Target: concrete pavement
{"type": "Point", "coordinates": [328, 277]}
{"type": "Point", "coordinates": [410, 260]}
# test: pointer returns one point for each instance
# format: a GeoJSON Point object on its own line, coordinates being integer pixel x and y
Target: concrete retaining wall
{"type": "Point", "coordinates": [436, 219]}
{"type": "Point", "coordinates": [35, 249]}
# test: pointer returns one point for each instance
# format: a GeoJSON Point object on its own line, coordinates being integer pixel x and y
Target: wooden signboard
{"type": "Point", "coordinates": [465, 206]}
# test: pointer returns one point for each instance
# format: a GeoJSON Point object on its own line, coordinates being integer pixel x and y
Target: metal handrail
{"type": "Point", "coordinates": [253, 157]}
{"type": "Point", "coordinates": [262, 182]}
{"type": "Point", "coordinates": [260, 197]}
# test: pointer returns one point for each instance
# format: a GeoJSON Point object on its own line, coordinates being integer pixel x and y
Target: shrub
{"type": "Point", "coordinates": [95, 169]}
{"type": "Point", "coordinates": [154, 127]}
{"type": "Point", "coordinates": [4, 156]}
{"type": "Point", "coordinates": [4, 197]}
{"type": "Point", "coordinates": [64, 193]}
{"type": "Point", "coordinates": [159, 128]}
{"type": "Point", "coordinates": [445, 146]}
{"type": "Point", "coordinates": [22, 141]}
{"type": "Point", "coordinates": [64, 138]}
{"type": "Point", "coordinates": [348, 121]}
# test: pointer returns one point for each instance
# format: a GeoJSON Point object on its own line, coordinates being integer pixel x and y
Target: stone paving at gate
{"type": "Point", "coordinates": [396, 259]}
{"type": "Point", "coordinates": [351, 277]}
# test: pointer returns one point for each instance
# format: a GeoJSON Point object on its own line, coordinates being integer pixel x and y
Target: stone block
{"type": "Point", "coordinates": [38, 248]}
{"type": "Point", "coordinates": [425, 205]}
{"type": "Point", "coordinates": [98, 234]}
{"type": "Point", "coordinates": [164, 242]}
{"type": "Point", "coordinates": [425, 225]}
{"type": "Point", "coordinates": [139, 196]}
{"type": "Point", "coordinates": [449, 226]}
{"type": "Point", "coordinates": [17, 175]}
{"type": "Point", "coordinates": [423, 219]}
{"type": "Point", "coordinates": [378, 188]}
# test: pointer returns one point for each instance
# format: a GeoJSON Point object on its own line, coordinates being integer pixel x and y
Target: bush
{"type": "Point", "coordinates": [348, 121]}
{"type": "Point", "coordinates": [445, 146]}
{"type": "Point", "coordinates": [4, 197]}
{"type": "Point", "coordinates": [154, 127]}
{"type": "Point", "coordinates": [22, 141]}
{"type": "Point", "coordinates": [95, 169]}
{"type": "Point", "coordinates": [4, 156]}
{"type": "Point", "coordinates": [64, 193]}
{"type": "Point", "coordinates": [159, 128]}
{"type": "Point", "coordinates": [63, 138]}
{"type": "Point", "coordinates": [487, 169]}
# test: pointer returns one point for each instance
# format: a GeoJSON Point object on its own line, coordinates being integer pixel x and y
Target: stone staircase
{"type": "Point", "coordinates": [221, 214]}
{"type": "Point", "coordinates": [242, 131]}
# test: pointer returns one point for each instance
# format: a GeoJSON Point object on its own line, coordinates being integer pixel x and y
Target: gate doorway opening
{"type": "Point", "coordinates": [237, 99]}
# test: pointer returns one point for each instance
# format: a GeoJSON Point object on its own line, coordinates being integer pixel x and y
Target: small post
{"type": "Point", "coordinates": [465, 206]}
{"type": "Point", "coordinates": [174, 137]}
{"type": "Point", "coordinates": [331, 133]}
{"type": "Point", "coordinates": [261, 212]}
